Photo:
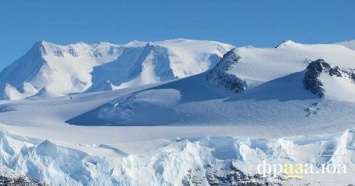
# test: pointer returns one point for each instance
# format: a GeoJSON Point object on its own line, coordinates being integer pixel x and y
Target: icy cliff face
{"type": "Point", "coordinates": [206, 161]}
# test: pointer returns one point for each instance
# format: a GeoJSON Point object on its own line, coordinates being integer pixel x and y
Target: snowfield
{"type": "Point", "coordinates": [213, 125]}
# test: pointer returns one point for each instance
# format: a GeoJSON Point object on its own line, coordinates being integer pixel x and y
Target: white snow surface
{"type": "Point", "coordinates": [350, 44]}
{"type": "Point", "coordinates": [80, 67]}
{"type": "Point", "coordinates": [188, 130]}
{"type": "Point", "coordinates": [259, 65]}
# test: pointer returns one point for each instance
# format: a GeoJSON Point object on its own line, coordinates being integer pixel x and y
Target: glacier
{"type": "Point", "coordinates": [218, 160]}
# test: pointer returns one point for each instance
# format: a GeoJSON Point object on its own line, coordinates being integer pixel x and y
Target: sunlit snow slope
{"type": "Point", "coordinates": [80, 67]}
{"type": "Point", "coordinates": [284, 86]}
{"type": "Point", "coordinates": [290, 104]}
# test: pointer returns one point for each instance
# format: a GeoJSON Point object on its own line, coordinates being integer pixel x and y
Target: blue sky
{"type": "Point", "coordinates": [239, 22]}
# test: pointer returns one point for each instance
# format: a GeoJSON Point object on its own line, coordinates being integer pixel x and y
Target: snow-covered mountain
{"type": "Point", "coordinates": [284, 105]}
{"type": "Point", "coordinates": [59, 69]}
{"type": "Point", "coordinates": [80, 67]}
{"type": "Point", "coordinates": [260, 65]}
{"type": "Point", "coordinates": [292, 77]}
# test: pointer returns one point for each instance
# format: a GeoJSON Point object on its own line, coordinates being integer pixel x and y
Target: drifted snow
{"type": "Point", "coordinates": [147, 102]}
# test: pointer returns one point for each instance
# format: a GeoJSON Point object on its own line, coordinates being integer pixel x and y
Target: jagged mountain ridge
{"type": "Point", "coordinates": [80, 67]}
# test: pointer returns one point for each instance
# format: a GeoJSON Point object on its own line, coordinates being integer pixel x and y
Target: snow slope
{"type": "Point", "coordinates": [194, 130]}
{"type": "Point", "coordinates": [350, 44]}
{"type": "Point", "coordinates": [81, 67]}
{"type": "Point", "coordinates": [272, 78]}
{"type": "Point", "coordinates": [259, 65]}
{"type": "Point", "coordinates": [99, 155]}
{"type": "Point", "coordinates": [60, 69]}
{"type": "Point", "coordinates": [154, 62]}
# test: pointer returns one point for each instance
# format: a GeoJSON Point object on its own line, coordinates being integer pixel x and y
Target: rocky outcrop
{"type": "Point", "coordinates": [230, 175]}
{"type": "Point", "coordinates": [20, 180]}
{"type": "Point", "coordinates": [311, 80]}
{"type": "Point", "coordinates": [351, 74]}
{"type": "Point", "coordinates": [220, 75]}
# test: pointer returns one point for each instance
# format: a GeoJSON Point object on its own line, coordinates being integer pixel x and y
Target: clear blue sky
{"type": "Point", "coordinates": [239, 22]}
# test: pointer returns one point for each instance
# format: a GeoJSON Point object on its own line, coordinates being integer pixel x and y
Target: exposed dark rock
{"type": "Point", "coordinates": [19, 181]}
{"type": "Point", "coordinates": [353, 76]}
{"type": "Point", "coordinates": [335, 71]}
{"type": "Point", "coordinates": [192, 180]}
{"type": "Point", "coordinates": [220, 75]}
{"type": "Point", "coordinates": [220, 176]}
{"type": "Point", "coordinates": [311, 80]}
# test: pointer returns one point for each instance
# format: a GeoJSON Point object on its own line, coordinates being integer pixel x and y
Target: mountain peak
{"type": "Point", "coordinates": [40, 46]}
{"type": "Point", "coordinates": [40, 43]}
{"type": "Point", "coordinates": [135, 43]}
{"type": "Point", "coordinates": [45, 44]}
{"type": "Point", "coordinates": [286, 43]}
